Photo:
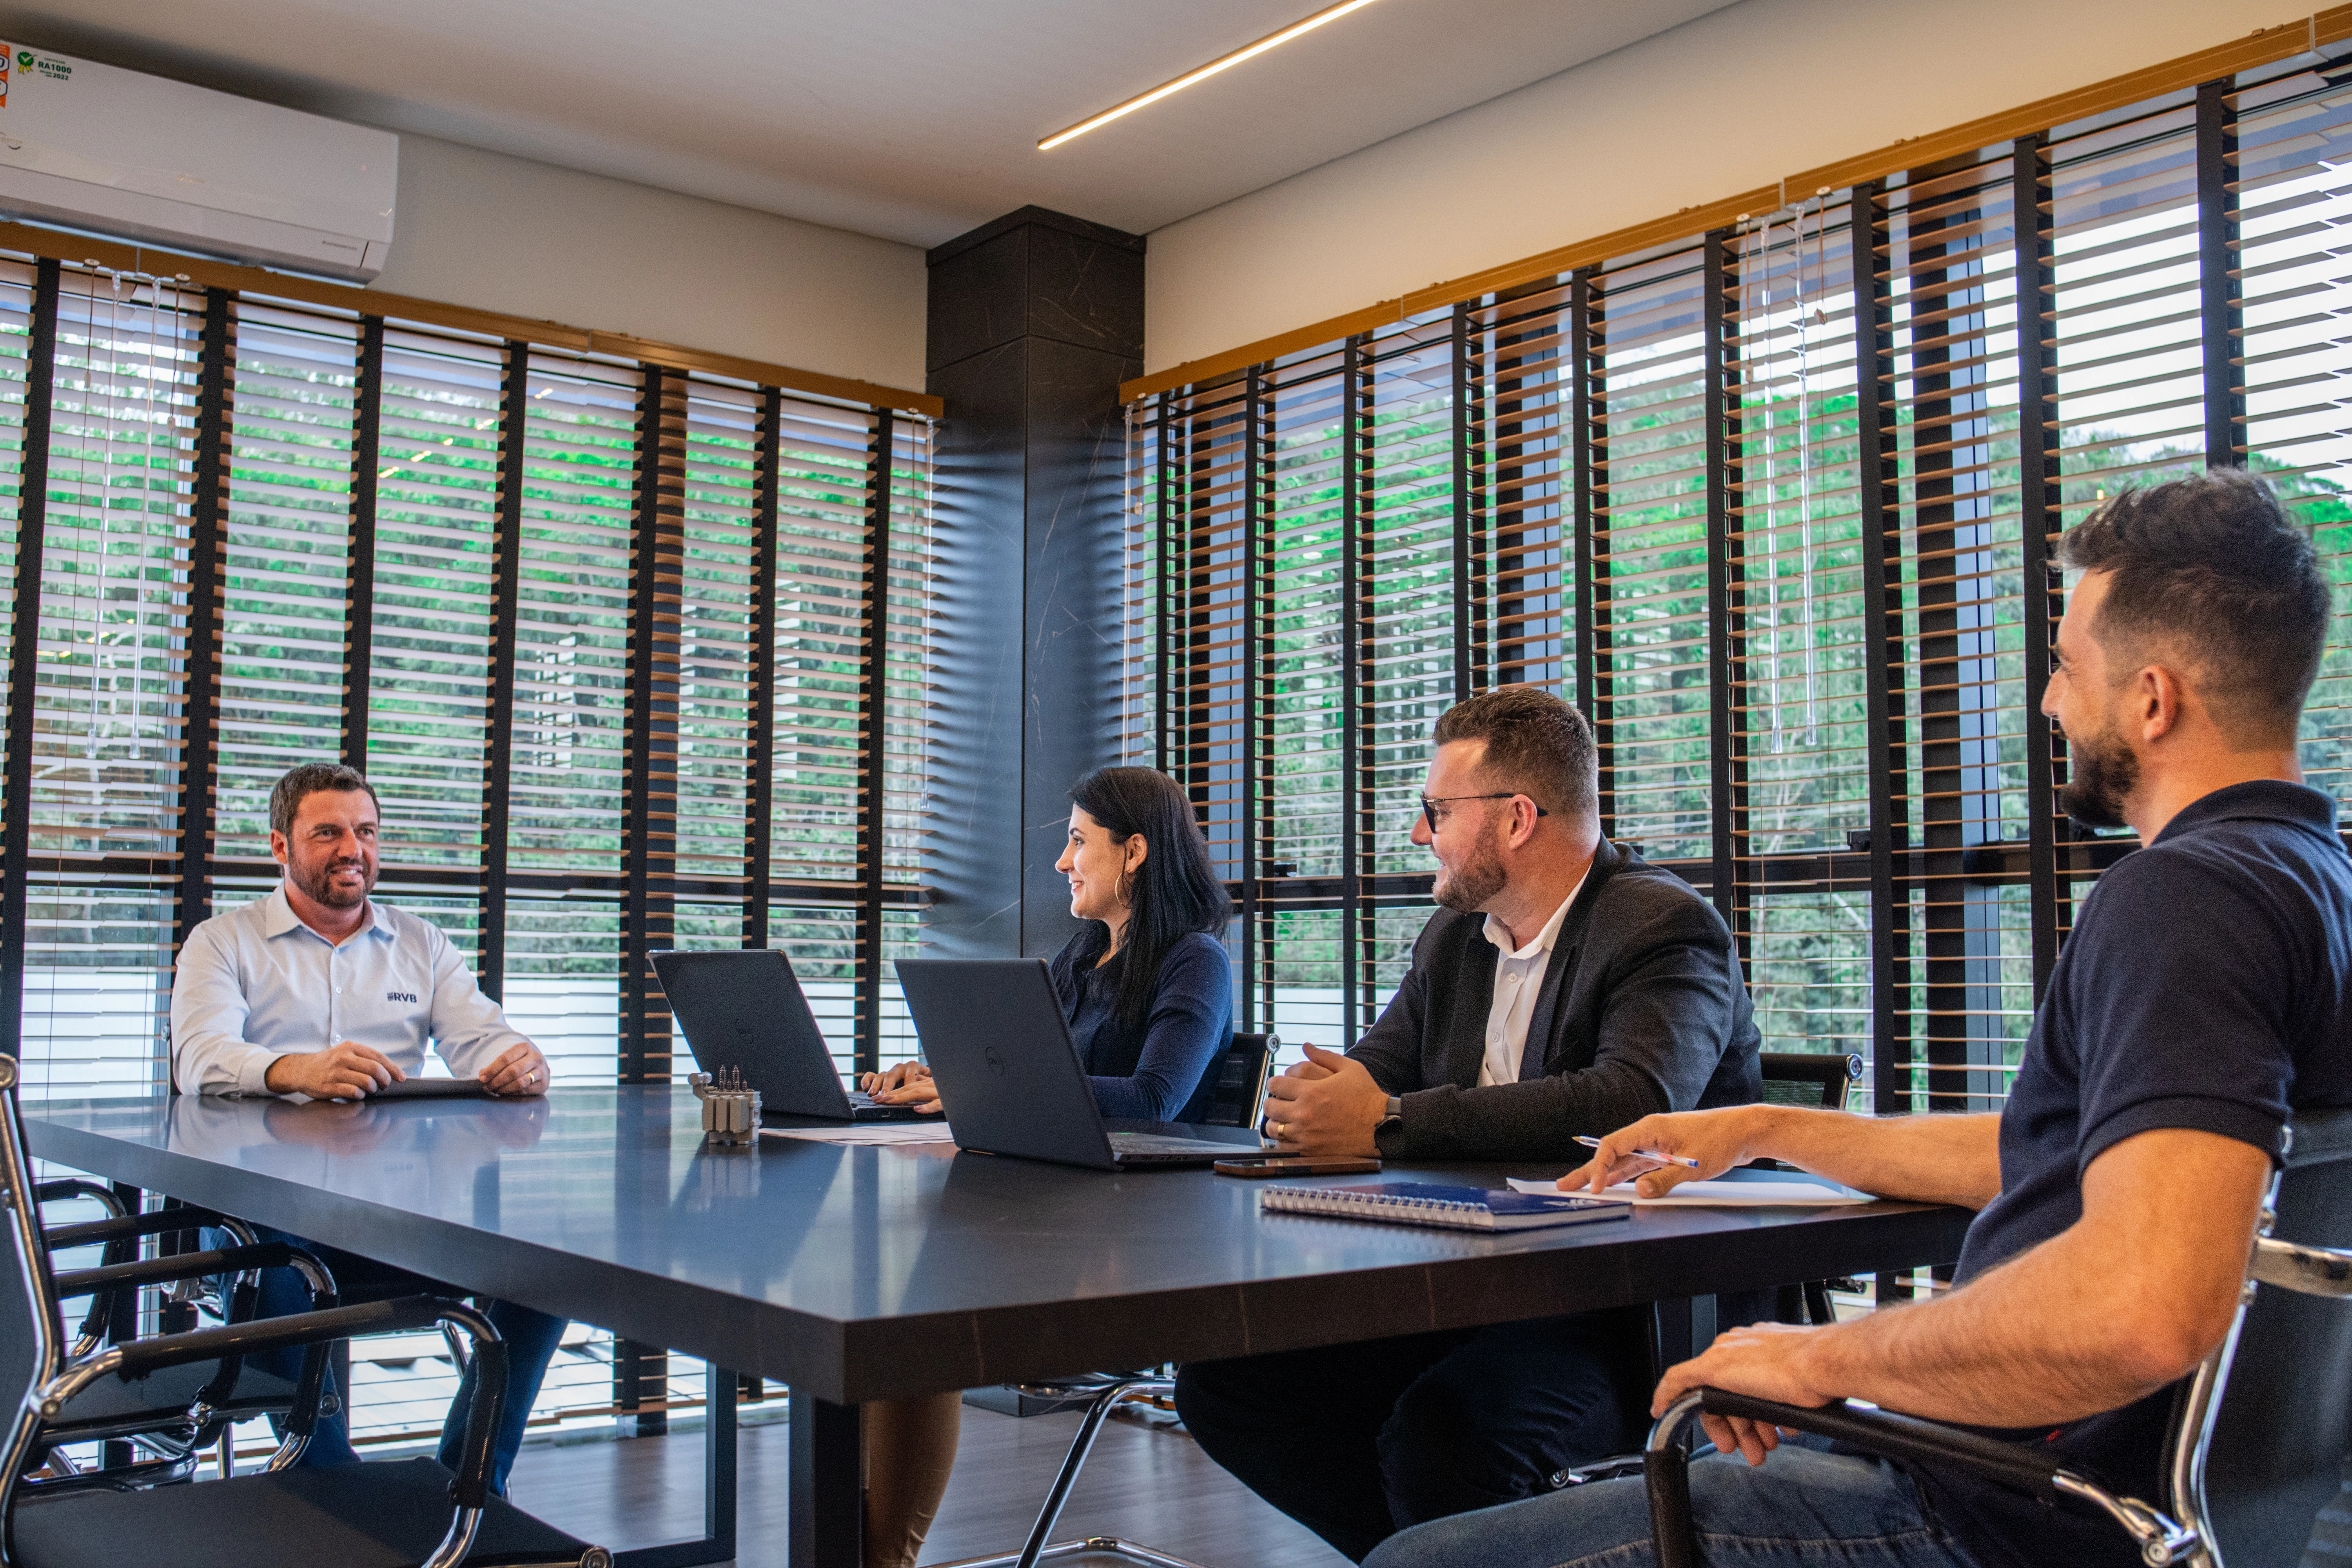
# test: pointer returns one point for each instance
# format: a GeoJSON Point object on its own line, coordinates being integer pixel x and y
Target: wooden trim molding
{"type": "Point", "coordinates": [2263, 45]}
{"type": "Point", "coordinates": [118, 257]}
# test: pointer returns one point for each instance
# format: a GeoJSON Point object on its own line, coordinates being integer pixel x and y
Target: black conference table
{"type": "Point", "coordinates": [853, 1274]}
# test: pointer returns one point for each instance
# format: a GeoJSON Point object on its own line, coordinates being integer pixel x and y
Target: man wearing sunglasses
{"type": "Point", "coordinates": [1566, 987]}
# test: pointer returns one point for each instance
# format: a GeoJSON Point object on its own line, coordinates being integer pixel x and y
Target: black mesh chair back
{"type": "Point", "coordinates": [1242, 1073]}
{"type": "Point", "coordinates": [31, 1345]}
{"type": "Point", "coordinates": [1809, 1078]}
{"type": "Point", "coordinates": [2278, 1446]}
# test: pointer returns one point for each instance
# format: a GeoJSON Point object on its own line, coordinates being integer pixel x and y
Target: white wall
{"type": "Point", "coordinates": [499, 233]}
{"type": "Point", "coordinates": [1731, 101]}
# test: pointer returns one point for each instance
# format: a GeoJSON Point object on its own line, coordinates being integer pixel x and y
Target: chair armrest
{"type": "Point", "coordinates": [74, 1187]}
{"type": "Point", "coordinates": [196, 1265]}
{"type": "Point", "coordinates": [1908, 1437]}
{"type": "Point", "coordinates": [162, 1222]}
{"type": "Point", "coordinates": [2012, 1464]}
{"type": "Point", "coordinates": [2312, 1270]}
{"type": "Point", "coordinates": [141, 1357]}
{"type": "Point", "coordinates": [488, 1370]}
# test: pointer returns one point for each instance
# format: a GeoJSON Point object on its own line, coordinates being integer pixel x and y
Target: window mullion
{"type": "Point", "coordinates": [506, 609]}
{"type": "Point", "coordinates": [358, 579]}
{"type": "Point", "coordinates": [24, 653]}
{"type": "Point", "coordinates": [200, 655]}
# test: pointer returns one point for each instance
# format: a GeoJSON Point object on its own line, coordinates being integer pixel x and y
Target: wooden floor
{"type": "Point", "coordinates": [1149, 1485]}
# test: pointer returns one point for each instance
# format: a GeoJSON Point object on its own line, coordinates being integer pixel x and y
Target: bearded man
{"type": "Point", "coordinates": [1567, 987]}
{"type": "Point", "coordinates": [318, 990]}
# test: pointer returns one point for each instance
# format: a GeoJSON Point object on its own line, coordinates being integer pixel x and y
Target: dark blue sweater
{"type": "Point", "coordinates": [1164, 1071]}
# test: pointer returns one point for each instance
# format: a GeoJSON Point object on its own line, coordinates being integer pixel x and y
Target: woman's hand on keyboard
{"type": "Point", "coordinates": [908, 1083]}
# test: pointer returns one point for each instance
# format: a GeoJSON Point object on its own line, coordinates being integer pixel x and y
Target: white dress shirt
{"type": "Point", "coordinates": [255, 983]}
{"type": "Point", "coordinates": [1519, 979]}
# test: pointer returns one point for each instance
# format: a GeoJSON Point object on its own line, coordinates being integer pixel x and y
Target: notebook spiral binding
{"type": "Point", "coordinates": [1417, 1211]}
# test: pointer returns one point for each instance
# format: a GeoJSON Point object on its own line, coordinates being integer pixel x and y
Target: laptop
{"type": "Point", "coordinates": [745, 1010]}
{"type": "Point", "coordinates": [993, 1033]}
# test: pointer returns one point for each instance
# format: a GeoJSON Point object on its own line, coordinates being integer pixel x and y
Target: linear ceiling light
{"type": "Point", "coordinates": [1221, 62]}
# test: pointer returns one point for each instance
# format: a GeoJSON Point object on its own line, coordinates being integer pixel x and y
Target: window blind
{"type": "Point", "coordinates": [1776, 504]}
{"type": "Point", "coordinates": [636, 657]}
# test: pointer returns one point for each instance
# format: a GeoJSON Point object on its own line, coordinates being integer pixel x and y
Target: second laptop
{"type": "Point", "coordinates": [744, 1009]}
{"type": "Point", "coordinates": [1010, 1078]}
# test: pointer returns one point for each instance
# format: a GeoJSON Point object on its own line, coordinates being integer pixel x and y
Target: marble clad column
{"type": "Point", "coordinates": [1035, 321]}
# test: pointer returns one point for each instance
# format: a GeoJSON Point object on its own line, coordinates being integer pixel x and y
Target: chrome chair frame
{"type": "Point", "coordinates": [173, 1440]}
{"type": "Point", "coordinates": [1103, 1394]}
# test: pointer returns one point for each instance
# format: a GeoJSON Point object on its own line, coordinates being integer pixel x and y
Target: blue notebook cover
{"type": "Point", "coordinates": [1421, 1202]}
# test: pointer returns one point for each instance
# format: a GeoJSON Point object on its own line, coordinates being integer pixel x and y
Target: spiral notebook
{"type": "Point", "coordinates": [1459, 1208]}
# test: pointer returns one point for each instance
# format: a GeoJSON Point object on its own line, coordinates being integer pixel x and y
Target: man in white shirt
{"type": "Point", "coordinates": [1565, 987]}
{"type": "Point", "coordinates": [318, 990]}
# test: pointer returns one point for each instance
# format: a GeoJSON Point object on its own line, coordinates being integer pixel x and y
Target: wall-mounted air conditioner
{"type": "Point", "coordinates": [119, 152]}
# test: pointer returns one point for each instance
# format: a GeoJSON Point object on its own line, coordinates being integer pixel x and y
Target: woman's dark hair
{"type": "Point", "coordinates": [1175, 892]}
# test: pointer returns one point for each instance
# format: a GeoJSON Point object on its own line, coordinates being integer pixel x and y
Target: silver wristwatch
{"type": "Point", "coordinates": [1391, 1115]}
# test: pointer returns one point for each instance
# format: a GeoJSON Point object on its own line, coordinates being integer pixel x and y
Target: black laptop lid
{"type": "Point", "coordinates": [1010, 1079]}
{"type": "Point", "coordinates": [745, 1010]}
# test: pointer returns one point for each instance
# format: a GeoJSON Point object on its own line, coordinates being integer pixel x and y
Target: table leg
{"type": "Point", "coordinates": [1685, 1327]}
{"type": "Point", "coordinates": [718, 1543]}
{"type": "Point", "coordinates": [719, 1460]}
{"type": "Point", "coordinates": [823, 1510]}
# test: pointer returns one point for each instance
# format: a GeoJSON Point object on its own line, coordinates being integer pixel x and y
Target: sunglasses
{"type": "Point", "coordinates": [1429, 805]}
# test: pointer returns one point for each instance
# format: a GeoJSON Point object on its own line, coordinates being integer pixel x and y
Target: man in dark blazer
{"type": "Point", "coordinates": [1565, 987]}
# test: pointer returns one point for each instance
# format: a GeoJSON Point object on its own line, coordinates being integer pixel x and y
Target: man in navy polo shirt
{"type": "Point", "coordinates": [2205, 994]}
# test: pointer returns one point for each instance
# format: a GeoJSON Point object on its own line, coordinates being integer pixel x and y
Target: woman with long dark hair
{"type": "Point", "coordinates": [1145, 983]}
{"type": "Point", "coordinates": [1149, 999]}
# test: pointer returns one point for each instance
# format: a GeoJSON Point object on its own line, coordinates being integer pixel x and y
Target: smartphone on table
{"type": "Point", "coordinates": [1300, 1165]}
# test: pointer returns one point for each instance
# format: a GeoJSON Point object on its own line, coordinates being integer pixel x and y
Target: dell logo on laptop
{"type": "Point", "coordinates": [995, 1062]}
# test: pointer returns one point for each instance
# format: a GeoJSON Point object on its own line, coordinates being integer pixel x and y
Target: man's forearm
{"type": "Point", "coordinates": [2116, 1307]}
{"type": "Point", "coordinates": [1925, 1158]}
{"type": "Point", "coordinates": [2037, 1341]}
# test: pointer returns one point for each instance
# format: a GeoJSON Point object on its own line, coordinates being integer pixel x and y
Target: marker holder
{"type": "Point", "coordinates": [731, 1112]}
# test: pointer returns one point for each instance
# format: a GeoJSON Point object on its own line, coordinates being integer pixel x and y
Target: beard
{"type": "Point", "coordinates": [2102, 774]}
{"type": "Point", "coordinates": [315, 880]}
{"type": "Point", "coordinates": [1479, 878]}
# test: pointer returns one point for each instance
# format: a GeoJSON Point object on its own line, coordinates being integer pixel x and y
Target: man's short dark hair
{"type": "Point", "coordinates": [309, 779]}
{"type": "Point", "coordinates": [2211, 568]}
{"type": "Point", "coordinates": [1536, 745]}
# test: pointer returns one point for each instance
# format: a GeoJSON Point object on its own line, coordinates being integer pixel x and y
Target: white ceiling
{"type": "Point", "coordinates": [912, 119]}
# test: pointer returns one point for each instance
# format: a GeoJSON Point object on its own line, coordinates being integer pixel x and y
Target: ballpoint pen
{"type": "Point", "coordinates": [1660, 1155]}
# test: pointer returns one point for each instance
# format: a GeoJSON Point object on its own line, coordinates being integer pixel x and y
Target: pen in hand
{"type": "Point", "coordinates": [1660, 1155]}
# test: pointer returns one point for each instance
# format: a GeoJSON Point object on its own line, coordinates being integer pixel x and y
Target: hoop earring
{"type": "Point", "coordinates": [1125, 890]}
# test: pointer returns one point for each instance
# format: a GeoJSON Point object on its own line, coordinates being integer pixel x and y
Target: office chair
{"type": "Point", "coordinates": [408, 1514]}
{"type": "Point", "coordinates": [2256, 1439]}
{"type": "Point", "coordinates": [1240, 1094]}
{"type": "Point", "coordinates": [180, 1410]}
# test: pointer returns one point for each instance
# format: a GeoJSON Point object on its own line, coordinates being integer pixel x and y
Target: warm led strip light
{"type": "Point", "coordinates": [1223, 62]}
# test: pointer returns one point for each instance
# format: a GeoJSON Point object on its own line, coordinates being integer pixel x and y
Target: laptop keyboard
{"type": "Point", "coordinates": [1155, 1143]}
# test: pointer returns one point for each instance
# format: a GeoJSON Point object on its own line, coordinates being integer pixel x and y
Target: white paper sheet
{"type": "Point", "coordinates": [894, 1133]}
{"type": "Point", "coordinates": [1721, 1195]}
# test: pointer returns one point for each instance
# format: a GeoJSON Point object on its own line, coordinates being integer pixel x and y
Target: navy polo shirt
{"type": "Point", "coordinates": [2208, 986]}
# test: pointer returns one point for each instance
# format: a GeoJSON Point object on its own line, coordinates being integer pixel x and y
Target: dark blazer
{"type": "Point", "coordinates": [1643, 1010]}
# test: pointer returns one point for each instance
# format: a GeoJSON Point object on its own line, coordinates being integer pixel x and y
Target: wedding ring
{"type": "Point", "coordinates": [531, 1077]}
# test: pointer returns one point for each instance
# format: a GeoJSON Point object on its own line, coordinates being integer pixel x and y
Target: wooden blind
{"type": "Point", "coordinates": [1776, 504]}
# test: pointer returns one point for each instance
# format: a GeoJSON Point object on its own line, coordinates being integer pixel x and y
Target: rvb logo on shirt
{"type": "Point", "coordinates": [400, 996]}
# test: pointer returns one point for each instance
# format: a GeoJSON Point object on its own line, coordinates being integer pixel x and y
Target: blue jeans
{"type": "Point", "coordinates": [531, 1340]}
{"type": "Point", "coordinates": [1805, 1509]}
